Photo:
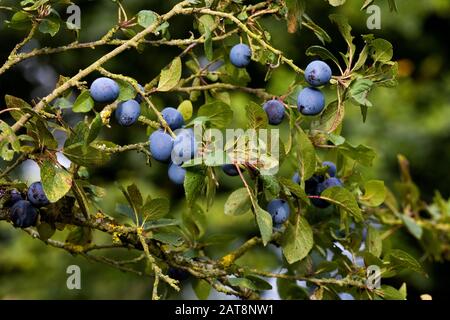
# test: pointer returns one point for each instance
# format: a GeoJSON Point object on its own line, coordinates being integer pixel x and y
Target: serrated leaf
{"type": "Point", "coordinates": [242, 282]}
{"type": "Point", "coordinates": [49, 25]}
{"type": "Point", "coordinates": [307, 155]}
{"type": "Point", "coordinates": [297, 240]}
{"type": "Point", "coordinates": [168, 238]}
{"type": "Point", "coordinates": [194, 182]}
{"type": "Point", "coordinates": [362, 154]}
{"type": "Point", "coordinates": [217, 113]}
{"type": "Point", "coordinates": [156, 209]}
{"type": "Point", "coordinates": [256, 116]}
{"type": "Point", "coordinates": [80, 236]}
{"type": "Point", "coordinates": [295, 189]}
{"type": "Point", "coordinates": [404, 260]}
{"type": "Point", "coordinates": [374, 193]}
{"type": "Point", "coordinates": [146, 18]}
{"type": "Point", "coordinates": [238, 203]}
{"type": "Point", "coordinates": [84, 102]}
{"type": "Point", "coordinates": [390, 293]}
{"type": "Point", "coordinates": [56, 181]}
{"type": "Point", "coordinates": [171, 76]}
{"type": "Point", "coordinates": [322, 52]}
{"type": "Point", "coordinates": [374, 241]}
{"type": "Point", "coordinates": [413, 228]}
{"type": "Point", "coordinates": [343, 199]}
{"type": "Point", "coordinates": [201, 288]}
{"type": "Point", "coordinates": [359, 90]}
{"type": "Point", "coordinates": [264, 221]}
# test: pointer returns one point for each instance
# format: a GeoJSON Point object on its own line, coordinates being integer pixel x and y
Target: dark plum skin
{"type": "Point", "coordinates": [161, 145]}
{"type": "Point", "coordinates": [176, 174]}
{"type": "Point", "coordinates": [23, 214]}
{"type": "Point", "coordinates": [310, 101]}
{"type": "Point", "coordinates": [296, 178]}
{"type": "Point", "coordinates": [317, 73]}
{"type": "Point", "coordinates": [36, 195]}
{"type": "Point", "coordinates": [240, 55]}
{"type": "Point", "coordinates": [128, 112]}
{"type": "Point", "coordinates": [279, 210]}
{"type": "Point", "coordinates": [274, 110]}
{"type": "Point", "coordinates": [178, 274]}
{"type": "Point", "coordinates": [331, 168]}
{"type": "Point", "coordinates": [104, 90]}
{"type": "Point", "coordinates": [230, 170]}
{"type": "Point", "coordinates": [184, 146]}
{"type": "Point", "coordinates": [12, 198]}
{"type": "Point", "coordinates": [173, 118]}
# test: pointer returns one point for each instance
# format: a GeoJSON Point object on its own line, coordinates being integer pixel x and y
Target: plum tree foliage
{"type": "Point", "coordinates": [361, 214]}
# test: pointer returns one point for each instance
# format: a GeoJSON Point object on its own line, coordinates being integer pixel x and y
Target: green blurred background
{"type": "Point", "coordinates": [412, 119]}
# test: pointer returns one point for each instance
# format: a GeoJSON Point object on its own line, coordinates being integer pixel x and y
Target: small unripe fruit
{"type": "Point", "coordinates": [104, 90]}
{"type": "Point", "coordinates": [161, 145]}
{"type": "Point", "coordinates": [36, 195]}
{"type": "Point", "coordinates": [23, 214]}
{"type": "Point", "coordinates": [128, 112]}
{"type": "Point", "coordinates": [279, 210]}
{"type": "Point", "coordinates": [240, 55]}
{"type": "Point", "coordinates": [331, 168]}
{"type": "Point", "coordinates": [230, 170]}
{"type": "Point", "coordinates": [173, 118]}
{"type": "Point", "coordinates": [275, 111]}
{"type": "Point", "coordinates": [310, 101]}
{"type": "Point", "coordinates": [317, 73]}
{"type": "Point", "coordinates": [177, 174]}
{"type": "Point", "coordinates": [184, 146]}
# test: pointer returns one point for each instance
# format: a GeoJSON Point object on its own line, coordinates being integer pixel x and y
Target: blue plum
{"type": "Point", "coordinates": [161, 145]}
{"type": "Point", "coordinates": [310, 101]}
{"type": "Point", "coordinates": [178, 274]}
{"type": "Point", "coordinates": [317, 73]}
{"type": "Point", "coordinates": [176, 174]}
{"type": "Point", "coordinates": [296, 178]}
{"type": "Point", "coordinates": [240, 55]}
{"type": "Point", "coordinates": [279, 210]}
{"type": "Point", "coordinates": [173, 118]}
{"type": "Point", "coordinates": [274, 110]}
{"type": "Point", "coordinates": [184, 146]}
{"type": "Point", "coordinates": [230, 170]}
{"type": "Point", "coordinates": [36, 195]}
{"type": "Point", "coordinates": [104, 90]}
{"type": "Point", "coordinates": [128, 112]}
{"type": "Point", "coordinates": [23, 214]}
{"type": "Point", "coordinates": [331, 168]}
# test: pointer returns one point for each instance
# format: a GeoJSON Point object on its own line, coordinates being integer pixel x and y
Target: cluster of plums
{"type": "Point", "coordinates": [310, 100]}
{"type": "Point", "coordinates": [23, 212]}
{"type": "Point", "coordinates": [317, 184]}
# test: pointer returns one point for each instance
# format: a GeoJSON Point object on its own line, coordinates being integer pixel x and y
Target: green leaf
{"type": "Point", "coordinates": [404, 260]}
{"type": "Point", "coordinates": [146, 18]}
{"type": "Point", "coordinates": [127, 91]}
{"type": "Point", "coordinates": [171, 76]}
{"type": "Point", "coordinates": [45, 230]}
{"type": "Point", "coordinates": [84, 102]}
{"type": "Point", "coordinates": [343, 199]}
{"type": "Point", "coordinates": [86, 156]}
{"type": "Point", "coordinates": [135, 195]}
{"type": "Point", "coordinates": [242, 282]}
{"type": "Point", "coordinates": [413, 228]}
{"type": "Point", "coordinates": [289, 290]}
{"type": "Point", "coordinates": [390, 293]}
{"type": "Point", "coordinates": [56, 181]}
{"type": "Point", "coordinates": [344, 28]}
{"type": "Point", "coordinates": [218, 113]}
{"type": "Point", "coordinates": [264, 221]}
{"type": "Point", "coordinates": [322, 53]}
{"type": "Point", "coordinates": [194, 182]}
{"type": "Point", "coordinates": [297, 240]}
{"type": "Point", "coordinates": [259, 283]}
{"type": "Point", "coordinates": [256, 116]}
{"type": "Point", "coordinates": [359, 91]}
{"type": "Point", "coordinates": [381, 50]}
{"type": "Point", "coordinates": [49, 25]}
{"type": "Point", "coordinates": [194, 219]}
{"type": "Point", "coordinates": [80, 236]}
{"type": "Point", "coordinates": [168, 238]}
{"type": "Point", "coordinates": [186, 109]}
{"type": "Point", "coordinates": [201, 289]}
{"type": "Point", "coordinates": [161, 223]}
{"type": "Point", "coordinates": [294, 189]}
{"type": "Point", "coordinates": [307, 155]}
{"type": "Point", "coordinates": [362, 154]}
{"type": "Point", "coordinates": [374, 241]}
{"type": "Point", "coordinates": [156, 209]}
{"type": "Point", "coordinates": [238, 203]}
{"type": "Point", "coordinates": [374, 194]}
{"type": "Point", "coordinates": [320, 33]}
